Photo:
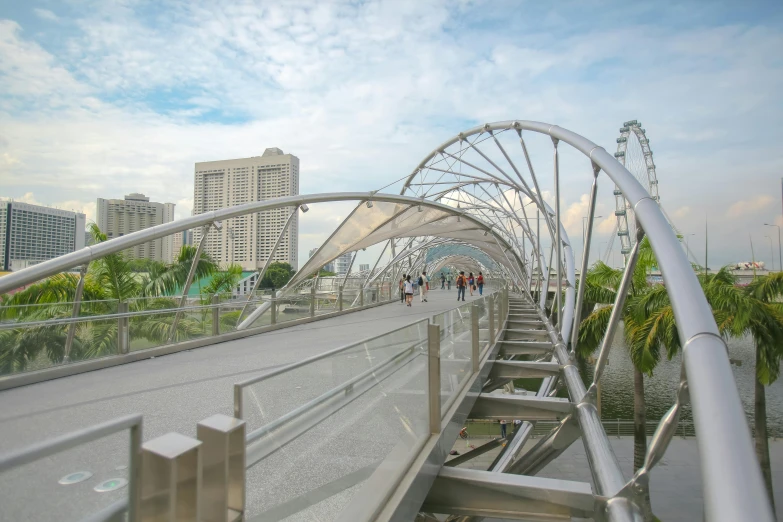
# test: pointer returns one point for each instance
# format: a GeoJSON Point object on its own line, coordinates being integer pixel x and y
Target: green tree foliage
{"type": "Point", "coordinates": [277, 275]}
{"type": "Point", "coordinates": [108, 280]}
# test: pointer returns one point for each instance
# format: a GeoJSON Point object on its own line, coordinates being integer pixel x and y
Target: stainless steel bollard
{"type": "Point", "coordinates": [171, 479]}
{"type": "Point", "coordinates": [223, 468]}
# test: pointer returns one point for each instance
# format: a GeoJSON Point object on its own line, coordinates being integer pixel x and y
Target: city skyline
{"type": "Point", "coordinates": [700, 77]}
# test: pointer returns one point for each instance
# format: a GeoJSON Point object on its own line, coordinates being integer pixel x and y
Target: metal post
{"type": "Point", "coordinates": [585, 260]}
{"type": "Point", "coordinates": [189, 281]}
{"type": "Point", "coordinates": [223, 468]}
{"type": "Point", "coordinates": [619, 304]}
{"type": "Point", "coordinates": [340, 299]}
{"type": "Point", "coordinates": [266, 265]}
{"type": "Point", "coordinates": [171, 479]}
{"type": "Point", "coordinates": [122, 329]}
{"type": "Point", "coordinates": [215, 315]}
{"type": "Point", "coordinates": [474, 335]}
{"type": "Point", "coordinates": [273, 307]}
{"type": "Point", "coordinates": [491, 305]}
{"type": "Point", "coordinates": [558, 241]}
{"type": "Point", "coordinates": [77, 306]}
{"type": "Point", "coordinates": [361, 296]}
{"type": "Point", "coordinates": [312, 299]}
{"type": "Point", "coordinates": [433, 373]}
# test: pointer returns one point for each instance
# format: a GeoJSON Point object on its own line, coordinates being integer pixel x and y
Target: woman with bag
{"type": "Point", "coordinates": [471, 283]}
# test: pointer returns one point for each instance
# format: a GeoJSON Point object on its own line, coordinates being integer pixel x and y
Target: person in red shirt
{"type": "Point", "coordinates": [480, 283]}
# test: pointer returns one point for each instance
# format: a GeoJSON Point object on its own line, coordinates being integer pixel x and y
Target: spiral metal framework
{"type": "Point", "coordinates": [635, 154]}
{"type": "Point", "coordinates": [484, 188]}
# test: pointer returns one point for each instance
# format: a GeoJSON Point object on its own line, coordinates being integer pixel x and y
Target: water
{"type": "Point", "coordinates": [660, 389]}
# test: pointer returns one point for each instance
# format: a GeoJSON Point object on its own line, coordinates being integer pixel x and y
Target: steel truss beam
{"type": "Point", "coordinates": [501, 495]}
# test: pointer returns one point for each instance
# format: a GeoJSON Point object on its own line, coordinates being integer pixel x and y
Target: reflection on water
{"type": "Point", "coordinates": [660, 389]}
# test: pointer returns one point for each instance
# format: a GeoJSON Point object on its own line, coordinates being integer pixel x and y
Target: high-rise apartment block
{"type": "Point", "coordinates": [364, 267]}
{"type": "Point", "coordinates": [248, 240]}
{"type": "Point", "coordinates": [181, 239]}
{"type": "Point", "coordinates": [30, 234]}
{"type": "Point", "coordinates": [343, 263]}
{"type": "Point", "coordinates": [119, 217]}
{"type": "Point", "coordinates": [329, 267]}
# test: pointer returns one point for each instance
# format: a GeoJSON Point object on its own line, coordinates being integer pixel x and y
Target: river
{"type": "Point", "coordinates": [660, 389]}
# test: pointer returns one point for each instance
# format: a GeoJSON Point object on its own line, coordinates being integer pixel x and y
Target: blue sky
{"type": "Point", "coordinates": [99, 98]}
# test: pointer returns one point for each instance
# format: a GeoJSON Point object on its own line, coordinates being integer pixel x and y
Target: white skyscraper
{"type": "Point", "coordinates": [343, 263]}
{"type": "Point", "coordinates": [30, 234]}
{"type": "Point", "coordinates": [120, 217]}
{"type": "Point", "coordinates": [248, 240]}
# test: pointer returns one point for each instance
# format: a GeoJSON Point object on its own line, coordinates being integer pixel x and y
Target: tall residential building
{"type": "Point", "coordinates": [30, 234]}
{"type": "Point", "coordinates": [364, 267]}
{"type": "Point", "coordinates": [248, 240]}
{"type": "Point", "coordinates": [119, 217]}
{"type": "Point", "coordinates": [343, 263]}
{"type": "Point", "coordinates": [180, 239]}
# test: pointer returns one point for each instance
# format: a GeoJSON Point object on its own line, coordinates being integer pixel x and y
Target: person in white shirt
{"type": "Point", "coordinates": [424, 286]}
{"type": "Point", "coordinates": [408, 290]}
{"type": "Point", "coordinates": [503, 428]}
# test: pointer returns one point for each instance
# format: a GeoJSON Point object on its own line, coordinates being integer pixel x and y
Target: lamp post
{"type": "Point", "coordinates": [584, 231]}
{"type": "Point", "coordinates": [687, 249]}
{"type": "Point", "coordinates": [602, 243]}
{"type": "Point", "coordinates": [771, 255]}
{"type": "Point", "coordinates": [780, 261]}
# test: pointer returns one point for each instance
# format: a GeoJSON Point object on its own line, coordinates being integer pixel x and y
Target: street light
{"type": "Point", "coordinates": [780, 261]}
{"type": "Point", "coordinates": [770, 252]}
{"type": "Point", "coordinates": [687, 249]}
{"type": "Point", "coordinates": [584, 231]}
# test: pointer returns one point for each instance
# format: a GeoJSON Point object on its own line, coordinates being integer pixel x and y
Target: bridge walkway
{"type": "Point", "coordinates": [172, 392]}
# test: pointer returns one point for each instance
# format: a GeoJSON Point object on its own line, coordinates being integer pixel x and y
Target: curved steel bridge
{"type": "Point", "coordinates": [414, 386]}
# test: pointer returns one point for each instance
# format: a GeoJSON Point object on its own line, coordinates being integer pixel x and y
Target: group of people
{"type": "Point", "coordinates": [463, 283]}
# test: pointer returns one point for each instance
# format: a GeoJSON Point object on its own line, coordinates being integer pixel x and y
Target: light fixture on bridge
{"type": "Point", "coordinates": [486, 232]}
{"type": "Point", "coordinates": [304, 208]}
{"type": "Point", "coordinates": [369, 203]}
{"type": "Point", "coordinates": [421, 209]}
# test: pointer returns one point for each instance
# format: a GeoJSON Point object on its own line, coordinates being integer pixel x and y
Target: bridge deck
{"type": "Point", "coordinates": [173, 392]}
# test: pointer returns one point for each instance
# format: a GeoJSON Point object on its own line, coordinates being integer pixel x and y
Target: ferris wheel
{"type": "Point", "coordinates": [633, 151]}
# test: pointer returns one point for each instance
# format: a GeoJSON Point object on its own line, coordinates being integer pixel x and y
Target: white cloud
{"type": "Point", "coordinates": [46, 14]}
{"type": "Point", "coordinates": [360, 92]}
{"type": "Point", "coordinates": [748, 206]}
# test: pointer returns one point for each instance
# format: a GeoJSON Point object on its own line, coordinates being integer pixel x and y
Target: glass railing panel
{"type": "Point", "coordinates": [312, 470]}
{"type": "Point", "coordinates": [456, 361]}
{"type": "Point", "coordinates": [292, 307]}
{"type": "Point", "coordinates": [70, 485]}
{"type": "Point", "coordinates": [269, 399]}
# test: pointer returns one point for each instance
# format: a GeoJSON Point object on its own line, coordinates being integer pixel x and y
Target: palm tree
{"type": "Point", "coordinates": [738, 312]}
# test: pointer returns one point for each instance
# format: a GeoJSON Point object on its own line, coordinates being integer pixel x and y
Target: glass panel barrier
{"type": "Point", "coordinates": [455, 351]}
{"type": "Point", "coordinates": [329, 423]}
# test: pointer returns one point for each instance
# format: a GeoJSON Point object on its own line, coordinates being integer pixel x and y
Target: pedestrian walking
{"type": "Point", "coordinates": [402, 289]}
{"type": "Point", "coordinates": [442, 281]}
{"type": "Point", "coordinates": [461, 283]}
{"type": "Point", "coordinates": [408, 290]}
{"type": "Point", "coordinates": [424, 287]}
{"type": "Point", "coordinates": [503, 428]}
{"type": "Point", "coordinates": [480, 283]}
{"type": "Point", "coordinates": [448, 282]}
{"type": "Point", "coordinates": [471, 283]}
